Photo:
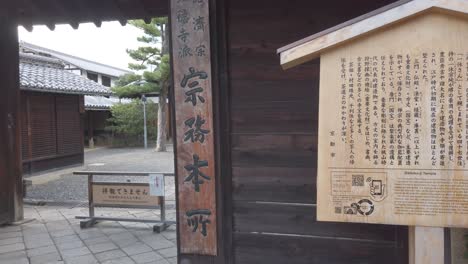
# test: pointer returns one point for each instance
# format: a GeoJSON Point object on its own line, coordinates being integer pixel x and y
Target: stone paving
{"type": "Point", "coordinates": [55, 237]}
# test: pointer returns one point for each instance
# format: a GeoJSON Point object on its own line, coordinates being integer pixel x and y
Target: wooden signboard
{"type": "Point", "coordinates": [194, 126]}
{"type": "Point", "coordinates": [393, 126]}
{"type": "Point", "coordinates": [125, 194]}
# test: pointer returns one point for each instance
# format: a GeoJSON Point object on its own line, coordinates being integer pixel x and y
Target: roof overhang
{"type": "Point", "coordinates": [80, 63]}
{"type": "Point", "coordinates": [56, 91]}
{"type": "Point", "coordinates": [45, 74]}
{"type": "Point", "coordinates": [73, 12]}
{"type": "Point", "coordinates": [97, 108]}
{"type": "Point", "coordinates": [311, 47]}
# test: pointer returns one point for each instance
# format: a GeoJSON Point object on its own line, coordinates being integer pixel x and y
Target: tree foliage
{"type": "Point", "coordinates": [133, 85]}
{"type": "Point", "coordinates": [127, 121]}
{"type": "Point", "coordinates": [153, 59]}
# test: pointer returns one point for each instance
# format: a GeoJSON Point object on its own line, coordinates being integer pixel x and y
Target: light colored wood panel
{"type": "Point", "coordinates": [426, 245]}
{"type": "Point", "coordinates": [407, 78]}
{"type": "Point", "coordinates": [124, 194]}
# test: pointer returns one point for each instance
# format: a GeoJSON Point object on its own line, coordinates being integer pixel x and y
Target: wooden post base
{"type": "Point", "coordinates": [426, 245]}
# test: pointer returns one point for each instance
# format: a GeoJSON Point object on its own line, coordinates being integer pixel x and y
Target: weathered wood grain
{"type": "Point", "coordinates": [196, 179]}
{"type": "Point", "coordinates": [301, 219]}
{"type": "Point", "coordinates": [274, 128]}
{"type": "Point", "coordinates": [275, 184]}
{"type": "Point", "coordinates": [51, 131]}
{"type": "Point", "coordinates": [269, 248]}
{"type": "Point", "coordinates": [272, 117]}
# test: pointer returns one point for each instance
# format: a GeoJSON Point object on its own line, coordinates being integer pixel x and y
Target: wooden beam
{"type": "Point", "coordinates": [131, 9]}
{"type": "Point", "coordinates": [73, 12]}
{"type": "Point", "coordinates": [155, 8]}
{"type": "Point", "coordinates": [90, 130]}
{"type": "Point", "coordinates": [28, 27]}
{"type": "Point", "coordinates": [63, 7]}
{"type": "Point", "coordinates": [75, 25]}
{"type": "Point", "coordinates": [313, 48]}
{"type": "Point", "coordinates": [140, 7]}
{"type": "Point", "coordinates": [37, 9]}
{"type": "Point", "coordinates": [147, 20]}
{"type": "Point", "coordinates": [222, 122]}
{"type": "Point", "coordinates": [426, 245]}
{"type": "Point", "coordinates": [27, 11]}
{"type": "Point", "coordinates": [71, 9]}
{"type": "Point", "coordinates": [11, 195]}
{"type": "Point", "coordinates": [51, 26]}
{"type": "Point", "coordinates": [117, 10]}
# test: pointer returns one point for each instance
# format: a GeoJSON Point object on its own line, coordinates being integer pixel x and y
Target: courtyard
{"type": "Point", "coordinates": [51, 234]}
{"type": "Point", "coordinates": [63, 186]}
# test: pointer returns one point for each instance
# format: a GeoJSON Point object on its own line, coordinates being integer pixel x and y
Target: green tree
{"type": "Point", "coordinates": [153, 60]}
{"type": "Point", "coordinates": [127, 121]}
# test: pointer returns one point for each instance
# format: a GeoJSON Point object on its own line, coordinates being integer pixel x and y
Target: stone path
{"type": "Point", "coordinates": [55, 237]}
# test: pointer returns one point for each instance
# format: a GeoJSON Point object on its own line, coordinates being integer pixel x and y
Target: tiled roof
{"type": "Point", "coordinates": [78, 62]}
{"type": "Point", "coordinates": [102, 103]}
{"type": "Point", "coordinates": [44, 74]}
{"type": "Point", "coordinates": [97, 103]}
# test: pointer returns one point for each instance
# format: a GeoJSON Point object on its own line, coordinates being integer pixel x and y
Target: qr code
{"type": "Point", "coordinates": [358, 180]}
{"type": "Point", "coordinates": [337, 209]}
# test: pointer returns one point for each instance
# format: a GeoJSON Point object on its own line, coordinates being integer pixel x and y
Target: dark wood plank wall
{"type": "Point", "coordinates": [25, 129]}
{"type": "Point", "coordinates": [69, 132]}
{"type": "Point", "coordinates": [43, 126]}
{"type": "Point", "coordinates": [51, 131]}
{"type": "Point", "coordinates": [273, 116]}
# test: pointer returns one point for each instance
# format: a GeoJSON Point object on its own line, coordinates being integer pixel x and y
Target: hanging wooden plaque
{"type": "Point", "coordinates": [194, 126]}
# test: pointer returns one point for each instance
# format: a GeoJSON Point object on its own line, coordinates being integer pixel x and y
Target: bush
{"type": "Point", "coordinates": [126, 123]}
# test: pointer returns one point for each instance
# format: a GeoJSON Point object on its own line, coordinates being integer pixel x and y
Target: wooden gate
{"type": "Point", "coordinates": [273, 133]}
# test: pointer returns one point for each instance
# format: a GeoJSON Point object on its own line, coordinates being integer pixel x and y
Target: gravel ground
{"type": "Point", "coordinates": [67, 187]}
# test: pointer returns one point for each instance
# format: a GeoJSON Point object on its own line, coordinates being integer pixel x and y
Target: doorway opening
{"type": "Point", "coordinates": [73, 112]}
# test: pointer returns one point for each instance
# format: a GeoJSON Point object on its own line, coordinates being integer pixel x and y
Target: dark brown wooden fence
{"type": "Point", "coordinates": [51, 133]}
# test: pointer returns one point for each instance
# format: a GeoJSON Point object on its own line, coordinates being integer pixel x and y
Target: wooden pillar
{"type": "Point", "coordinates": [11, 187]}
{"type": "Point", "coordinates": [426, 245]}
{"type": "Point", "coordinates": [186, 54]}
{"type": "Point", "coordinates": [90, 130]}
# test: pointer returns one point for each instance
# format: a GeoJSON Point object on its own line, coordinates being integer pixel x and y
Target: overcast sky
{"type": "Point", "coordinates": [106, 44]}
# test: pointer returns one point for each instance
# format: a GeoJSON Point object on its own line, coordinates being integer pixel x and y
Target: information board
{"type": "Point", "coordinates": [393, 125]}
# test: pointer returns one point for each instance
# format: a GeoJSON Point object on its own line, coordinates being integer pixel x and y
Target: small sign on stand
{"type": "Point", "coordinates": [144, 195]}
{"type": "Point", "coordinates": [156, 184]}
